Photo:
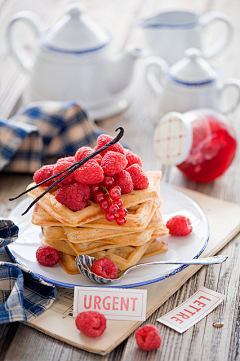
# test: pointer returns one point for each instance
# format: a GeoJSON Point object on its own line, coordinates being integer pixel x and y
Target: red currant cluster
{"type": "Point", "coordinates": [107, 195]}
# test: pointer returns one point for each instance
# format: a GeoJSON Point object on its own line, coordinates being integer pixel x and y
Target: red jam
{"type": "Point", "coordinates": [213, 149]}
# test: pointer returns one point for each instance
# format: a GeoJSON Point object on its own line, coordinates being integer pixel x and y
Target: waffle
{"type": "Point", "coordinates": [123, 257]}
{"type": "Point", "coordinates": [93, 211]}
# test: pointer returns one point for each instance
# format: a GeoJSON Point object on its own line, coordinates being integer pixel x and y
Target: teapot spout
{"type": "Point", "coordinates": [120, 68]}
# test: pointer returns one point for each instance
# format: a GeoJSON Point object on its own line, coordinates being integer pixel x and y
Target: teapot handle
{"type": "Point", "coordinates": [155, 69]}
{"type": "Point", "coordinates": [37, 25]}
{"type": "Point", "coordinates": [233, 82]}
{"type": "Point", "coordinates": [209, 18]}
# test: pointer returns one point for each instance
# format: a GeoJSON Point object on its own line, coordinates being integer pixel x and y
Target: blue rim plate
{"type": "Point", "coordinates": [23, 250]}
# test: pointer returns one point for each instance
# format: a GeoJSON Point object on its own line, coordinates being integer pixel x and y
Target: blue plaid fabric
{"type": "Point", "coordinates": [43, 130]}
{"type": "Point", "coordinates": [23, 295]}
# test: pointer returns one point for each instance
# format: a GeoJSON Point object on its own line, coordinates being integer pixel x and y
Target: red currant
{"type": "Point", "coordinates": [122, 212]}
{"type": "Point", "coordinates": [113, 208]}
{"type": "Point", "coordinates": [95, 188]}
{"type": "Point", "coordinates": [104, 205]}
{"type": "Point", "coordinates": [121, 220]}
{"type": "Point", "coordinates": [110, 217]}
{"type": "Point", "coordinates": [114, 193]}
{"type": "Point", "coordinates": [119, 202]}
{"type": "Point", "coordinates": [99, 197]}
{"type": "Point", "coordinates": [108, 182]}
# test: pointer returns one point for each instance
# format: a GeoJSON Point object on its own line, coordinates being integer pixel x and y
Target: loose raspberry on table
{"type": "Point", "coordinates": [104, 139]}
{"type": "Point", "coordinates": [44, 173]}
{"type": "Point", "coordinates": [89, 173]}
{"type": "Point", "coordinates": [60, 166]}
{"type": "Point", "coordinates": [125, 182]}
{"type": "Point", "coordinates": [92, 323]}
{"type": "Point", "coordinates": [113, 162]}
{"type": "Point", "coordinates": [132, 158]}
{"type": "Point", "coordinates": [47, 256]}
{"type": "Point", "coordinates": [148, 338]}
{"type": "Point", "coordinates": [139, 178]}
{"type": "Point", "coordinates": [85, 151]}
{"type": "Point", "coordinates": [179, 226]}
{"type": "Point", "coordinates": [105, 267]}
{"type": "Point", "coordinates": [74, 196]}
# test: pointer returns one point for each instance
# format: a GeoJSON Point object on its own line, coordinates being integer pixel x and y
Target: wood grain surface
{"type": "Point", "coordinates": [203, 342]}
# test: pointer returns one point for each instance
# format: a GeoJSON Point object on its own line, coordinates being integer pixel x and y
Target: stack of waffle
{"type": "Point", "coordinates": [88, 232]}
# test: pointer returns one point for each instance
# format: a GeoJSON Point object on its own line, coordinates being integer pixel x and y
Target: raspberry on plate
{"type": "Point", "coordinates": [179, 226]}
{"type": "Point", "coordinates": [92, 323]}
{"type": "Point", "coordinates": [74, 196]}
{"type": "Point", "coordinates": [44, 173]}
{"type": "Point", "coordinates": [104, 139]}
{"type": "Point", "coordinates": [105, 267]}
{"type": "Point", "coordinates": [89, 173]}
{"type": "Point", "coordinates": [113, 162]}
{"type": "Point", "coordinates": [132, 158]}
{"type": "Point", "coordinates": [60, 166]}
{"type": "Point", "coordinates": [139, 178]}
{"type": "Point", "coordinates": [47, 256]}
{"type": "Point", "coordinates": [148, 338]}
{"type": "Point", "coordinates": [85, 151]}
{"type": "Point", "coordinates": [125, 182]}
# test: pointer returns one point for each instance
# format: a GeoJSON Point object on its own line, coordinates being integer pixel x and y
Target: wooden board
{"type": "Point", "coordinates": [224, 224]}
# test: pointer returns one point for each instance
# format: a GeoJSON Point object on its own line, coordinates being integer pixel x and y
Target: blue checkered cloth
{"type": "Point", "coordinates": [43, 130]}
{"type": "Point", "coordinates": [23, 295]}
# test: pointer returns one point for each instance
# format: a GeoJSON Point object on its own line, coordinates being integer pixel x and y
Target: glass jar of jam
{"type": "Point", "coordinates": [200, 142]}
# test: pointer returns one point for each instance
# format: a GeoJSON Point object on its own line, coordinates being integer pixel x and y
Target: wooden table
{"type": "Point", "coordinates": [20, 342]}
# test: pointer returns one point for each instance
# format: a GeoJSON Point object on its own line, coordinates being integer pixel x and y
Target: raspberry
{"type": "Point", "coordinates": [105, 267]}
{"type": "Point", "coordinates": [44, 173]}
{"type": "Point", "coordinates": [47, 256]}
{"type": "Point", "coordinates": [69, 159]}
{"type": "Point", "coordinates": [125, 182]}
{"type": "Point", "coordinates": [84, 151]}
{"type": "Point", "coordinates": [148, 337]}
{"type": "Point", "coordinates": [132, 158]}
{"type": "Point", "coordinates": [89, 173]}
{"type": "Point", "coordinates": [92, 323]}
{"type": "Point", "coordinates": [139, 178]}
{"type": "Point", "coordinates": [179, 226]}
{"type": "Point", "coordinates": [74, 196]}
{"type": "Point", "coordinates": [59, 166]}
{"type": "Point", "coordinates": [113, 162]}
{"type": "Point", "coordinates": [104, 139]}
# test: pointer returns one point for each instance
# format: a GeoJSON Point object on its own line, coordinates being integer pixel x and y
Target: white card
{"type": "Point", "coordinates": [114, 303]}
{"type": "Point", "coordinates": [192, 310]}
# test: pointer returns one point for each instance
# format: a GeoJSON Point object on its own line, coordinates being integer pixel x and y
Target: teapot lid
{"type": "Point", "coordinates": [193, 69]}
{"type": "Point", "coordinates": [75, 33]}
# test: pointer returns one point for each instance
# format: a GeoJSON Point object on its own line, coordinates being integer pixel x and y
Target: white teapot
{"type": "Point", "coordinates": [189, 84]}
{"type": "Point", "coordinates": [73, 62]}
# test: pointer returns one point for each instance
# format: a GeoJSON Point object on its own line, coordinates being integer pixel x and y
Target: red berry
{"type": "Point", "coordinates": [47, 256]}
{"type": "Point", "coordinates": [44, 173]}
{"type": "Point", "coordinates": [113, 208]}
{"type": "Point", "coordinates": [110, 217]}
{"type": "Point", "coordinates": [84, 152]}
{"type": "Point", "coordinates": [112, 163]}
{"type": "Point", "coordinates": [104, 267]}
{"type": "Point", "coordinates": [104, 139]}
{"type": "Point", "coordinates": [132, 158]}
{"type": "Point", "coordinates": [125, 182]}
{"type": "Point", "coordinates": [114, 193]}
{"type": "Point", "coordinates": [74, 196]}
{"type": "Point", "coordinates": [148, 338]}
{"type": "Point", "coordinates": [69, 159]}
{"type": "Point", "coordinates": [95, 188]}
{"type": "Point", "coordinates": [179, 226]}
{"type": "Point", "coordinates": [60, 166]}
{"type": "Point", "coordinates": [104, 205]}
{"type": "Point", "coordinates": [139, 178]}
{"type": "Point", "coordinates": [119, 202]}
{"type": "Point", "coordinates": [108, 182]}
{"type": "Point", "coordinates": [89, 173]}
{"type": "Point", "coordinates": [92, 323]}
{"type": "Point", "coordinates": [121, 220]}
{"type": "Point", "coordinates": [122, 212]}
{"type": "Point", "coordinates": [99, 197]}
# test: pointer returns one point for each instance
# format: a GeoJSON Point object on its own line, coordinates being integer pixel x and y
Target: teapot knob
{"type": "Point", "coordinates": [193, 53]}
{"type": "Point", "coordinates": [75, 9]}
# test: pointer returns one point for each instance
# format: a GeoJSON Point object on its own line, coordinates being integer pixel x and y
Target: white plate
{"type": "Point", "coordinates": [23, 250]}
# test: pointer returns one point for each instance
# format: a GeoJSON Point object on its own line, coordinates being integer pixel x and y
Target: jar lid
{"type": "Point", "coordinates": [75, 33]}
{"type": "Point", "coordinates": [193, 69]}
{"type": "Point", "coordinates": [173, 138]}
